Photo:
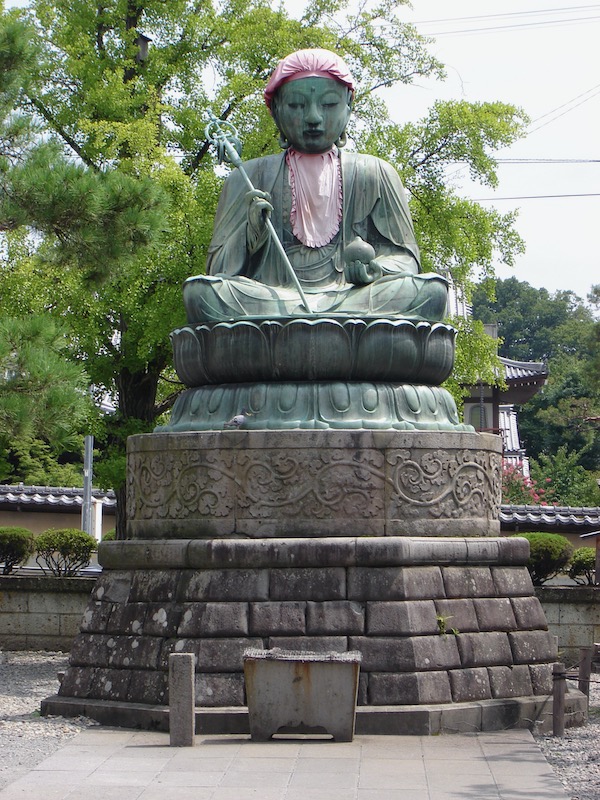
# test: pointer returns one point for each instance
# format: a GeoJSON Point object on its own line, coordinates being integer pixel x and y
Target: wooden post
{"type": "Point", "coordinates": [182, 700]}
{"type": "Point", "coordinates": [559, 687]}
{"type": "Point", "coordinates": [585, 670]}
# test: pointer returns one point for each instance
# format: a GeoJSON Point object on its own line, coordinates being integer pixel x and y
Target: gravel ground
{"type": "Point", "coordinates": [575, 758]}
{"type": "Point", "coordinates": [26, 738]}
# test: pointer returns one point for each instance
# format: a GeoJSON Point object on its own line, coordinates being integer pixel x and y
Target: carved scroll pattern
{"type": "Point", "coordinates": [455, 484]}
{"type": "Point", "coordinates": [312, 484]}
{"type": "Point", "coordinates": [317, 484]}
{"type": "Point", "coordinates": [180, 485]}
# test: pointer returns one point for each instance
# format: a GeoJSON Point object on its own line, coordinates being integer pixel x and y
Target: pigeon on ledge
{"type": "Point", "coordinates": [238, 420]}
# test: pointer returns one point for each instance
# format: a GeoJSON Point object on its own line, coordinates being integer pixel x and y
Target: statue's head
{"type": "Point", "coordinates": [310, 97]}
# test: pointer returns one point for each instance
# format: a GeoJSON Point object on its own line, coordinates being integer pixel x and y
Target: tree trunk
{"type": "Point", "coordinates": [121, 512]}
{"type": "Point", "coordinates": [137, 408]}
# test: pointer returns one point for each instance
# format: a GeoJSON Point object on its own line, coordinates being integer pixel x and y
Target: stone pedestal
{"type": "Point", "coordinates": [451, 634]}
{"type": "Point", "coordinates": [321, 541]}
{"type": "Point", "coordinates": [313, 483]}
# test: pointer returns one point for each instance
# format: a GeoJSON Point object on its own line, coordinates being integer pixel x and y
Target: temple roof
{"type": "Point", "coordinates": [524, 370]}
{"type": "Point", "coordinates": [553, 518]}
{"type": "Point", "coordinates": [40, 498]}
{"type": "Point", "coordinates": [524, 379]}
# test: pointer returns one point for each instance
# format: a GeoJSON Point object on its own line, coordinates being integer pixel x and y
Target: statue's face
{"type": "Point", "coordinates": [312, 113]}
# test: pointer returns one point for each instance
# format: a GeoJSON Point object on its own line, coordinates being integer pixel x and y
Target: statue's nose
{"type": "Point", "coordinates": [313, 115]}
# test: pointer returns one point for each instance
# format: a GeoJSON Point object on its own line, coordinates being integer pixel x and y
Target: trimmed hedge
{"type": "Point", "coordinates": [582, 569]}
{"type": "Point", "coordinates": [549, 555]}
{"type": "Point", "coordinates": [64, 551]}
{"type": "Point", "coordinates": [16, 545]}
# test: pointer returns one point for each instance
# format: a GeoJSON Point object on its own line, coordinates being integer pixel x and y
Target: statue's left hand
{"type": "Point", "coordinates": [361, 274]}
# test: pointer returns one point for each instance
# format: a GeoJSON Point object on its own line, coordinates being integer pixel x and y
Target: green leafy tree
{"type": "Point", "coordinates": [125, 86]}
{"type": "Point", "coordinates": [571, 484]}
{"type": "Point", "coordinates": [35, 462]}
{"type": "Point", "coordinates": [533, 324]}
{"type": "Point", "coordinates": [77, 220]}
{"type": "Point", "coordinates": [559, 328]}
{"type": "Point", "coordinates": [91, 219]}
{"type": "Point", "coordinates": [564, 413]}
{"type": "Point", "coordinates": [44, 398]}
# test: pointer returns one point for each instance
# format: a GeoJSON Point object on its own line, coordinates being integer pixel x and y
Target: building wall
{"type": "Point", "coordinates": [41, 613]}
{"type": "Point", "coordinates": [573, 615]}
{"type": "Point", "coordinates": [40, 521]}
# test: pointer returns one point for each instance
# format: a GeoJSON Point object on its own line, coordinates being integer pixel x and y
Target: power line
{"type": "Point", "coordinates": [515, 26]}
{"type": "Point", "coordinates": [533, 197]}
{"type": "Point", "coordinates": [565, 10]}
{"type": "Point", "coordinates": [568, 103]}
{"type": "Point", "coordinates": [548, 160]}
{"type": "Point", "coordinates": [541, 23]}
{"type": "Point", "coordinates": [515, 19]}
{"type": "Point", "coordinates": [558, 116]}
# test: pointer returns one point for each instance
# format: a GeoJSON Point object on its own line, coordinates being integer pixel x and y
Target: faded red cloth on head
{"type": "Point", "coordinates": [305, 64]}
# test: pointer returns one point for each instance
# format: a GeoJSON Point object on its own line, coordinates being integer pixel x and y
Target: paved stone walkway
{"type": "Point", "coordinates": [117, 764]}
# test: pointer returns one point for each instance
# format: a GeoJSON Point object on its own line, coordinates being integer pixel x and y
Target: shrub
{"type": "Point", "coordinates": [583, 566]}
{"type": "Point", "coordinates": [519, 490]}
{"type": "Point", "coordinates": [109, 536]}
{"type": "Point", "coordinates": [64, 551]}
{"type": "Point", "coordinates": [16, 545]}
{"type": "Point", "coordinates": [549, 555]}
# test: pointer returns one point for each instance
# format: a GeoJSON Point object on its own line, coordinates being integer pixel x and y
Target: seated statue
{"type": "Point", "coordinates": [342, 218]}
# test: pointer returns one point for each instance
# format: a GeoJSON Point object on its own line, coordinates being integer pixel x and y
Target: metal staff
{"type": "Point", "coordinates": [224, 136]}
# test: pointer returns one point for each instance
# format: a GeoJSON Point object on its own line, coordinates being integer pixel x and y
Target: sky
{"type": "Point", "coordinates": [541, 55]}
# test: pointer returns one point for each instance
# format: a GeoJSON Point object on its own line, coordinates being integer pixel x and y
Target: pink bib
{"type": "Point", "coordinates": [316, 185]}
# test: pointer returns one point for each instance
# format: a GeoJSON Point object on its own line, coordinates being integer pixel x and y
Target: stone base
{"type": "Point", "coordinates": [438, 622]}
{"type": "Point", "coordinates": [533, 713]}
{"type": "Point", "coordinates": [313, 483]}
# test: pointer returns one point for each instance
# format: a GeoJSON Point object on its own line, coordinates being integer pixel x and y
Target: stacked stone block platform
{"type": "Point", "coordinates": [437, 621]}
{"type": "Point", "coordinates": [380, 542]}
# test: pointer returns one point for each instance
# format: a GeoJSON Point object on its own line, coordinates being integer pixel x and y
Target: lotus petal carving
{"type": "Point", "coordinates": [313, 349]}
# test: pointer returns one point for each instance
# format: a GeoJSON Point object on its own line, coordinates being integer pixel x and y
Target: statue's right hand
{"type": "Point", "coordinates": [259, 208]}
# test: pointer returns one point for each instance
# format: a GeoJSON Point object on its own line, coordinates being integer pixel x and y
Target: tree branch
{"type": "Point", "coordinates": [66, 137]}
{"type": "Point", "coordinates": [166, 404]}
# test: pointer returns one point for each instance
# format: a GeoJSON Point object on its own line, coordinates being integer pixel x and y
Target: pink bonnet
{"type": "Point", "coordinates": [307, 64]}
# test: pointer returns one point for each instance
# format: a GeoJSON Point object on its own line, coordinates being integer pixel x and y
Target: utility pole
{"type": "Point", "coordinates": [86, 508]}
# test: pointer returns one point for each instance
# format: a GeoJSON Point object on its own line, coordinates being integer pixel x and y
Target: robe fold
{"type": "Point", "coordinates": [240, 283]}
